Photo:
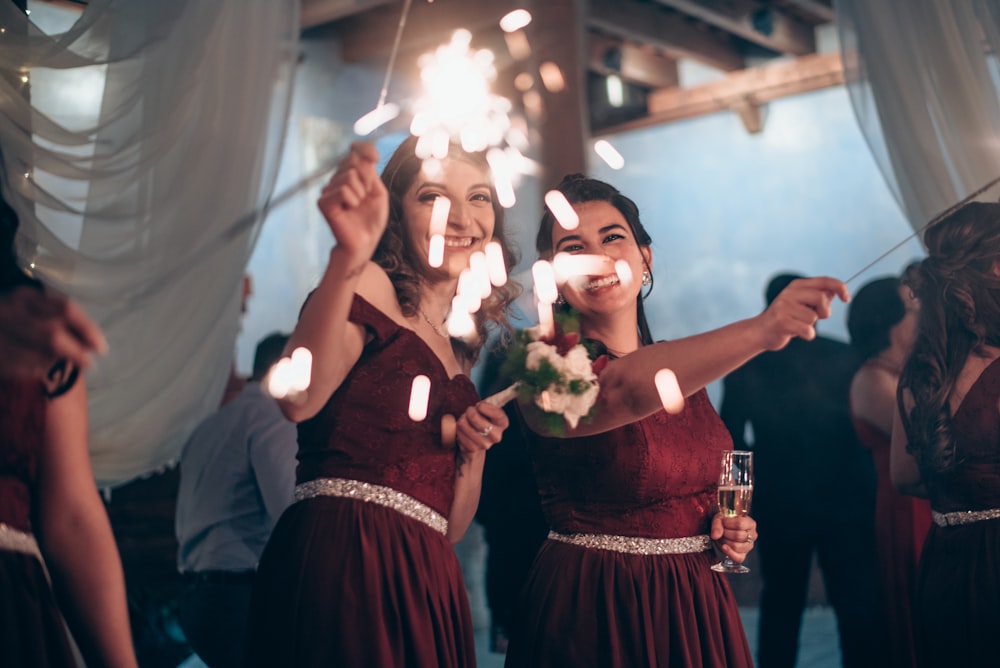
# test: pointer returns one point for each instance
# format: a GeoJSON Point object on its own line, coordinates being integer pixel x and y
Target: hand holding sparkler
{"type": "Point", "coordinates": [355, 202]}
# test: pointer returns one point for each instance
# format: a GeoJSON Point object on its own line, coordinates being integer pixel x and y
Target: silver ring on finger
{"type": "Point", "coordinates": [486, 432]}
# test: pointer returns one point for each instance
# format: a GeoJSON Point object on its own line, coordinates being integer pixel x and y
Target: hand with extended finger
{"type": "Point", "coordinates": [735, 536]}
{"type": "Point", "coordinates": [481, 427]}
{"type": "Point", "coordinates": [355, 202]}
{"type": "Point", "coordinates": [797, 309]}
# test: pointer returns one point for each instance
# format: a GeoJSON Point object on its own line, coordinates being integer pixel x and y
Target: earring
{"type": "Point", "coordinates": [647, 278]}
{"type": "Point", "coordinates": [560, 300]}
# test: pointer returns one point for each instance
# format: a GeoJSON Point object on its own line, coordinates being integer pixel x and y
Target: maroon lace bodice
{"type": "Point", "coordinates": [974, 482]}
{"type": "Point", "coordinates": [364, 432]}
{"type": "Point", "coordinates": [655, 478]}
{"type": "Point", "coordinates": [22, 424]}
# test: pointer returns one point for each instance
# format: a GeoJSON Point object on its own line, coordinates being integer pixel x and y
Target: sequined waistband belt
{"type": "Point", "coordinates": [634, 544]}
{"type": "Point", "coordinates": [366, 491]}
{"type": "Point", "coordinates": [13, 540]}
{"type": "Point", "coordinates": [964, 517]}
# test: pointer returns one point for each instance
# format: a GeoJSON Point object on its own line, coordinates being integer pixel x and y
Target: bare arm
{"type": "Point", "coordinates": [903, 467]}
{"type": "Point", "coordinates": [873, 397]}
{"type": "Point", "coordinates": [628, 389]}
{"type": "Point", "coordinates": [355, 205]}
{"type": "Point", "coordinates": [75, 537]}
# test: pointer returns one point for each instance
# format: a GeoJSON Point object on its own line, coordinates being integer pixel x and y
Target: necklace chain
{"type": "Point", "coordinates": [436, 329]}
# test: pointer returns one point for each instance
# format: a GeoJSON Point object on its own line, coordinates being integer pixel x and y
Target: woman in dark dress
{"type": "Point", "coordinates": [625, 578]}
{"type": "Point", "coordinates": [946, 437]}
{"type": "Point", "coordinates": [50, 507]}
{"type": "Point", "coordinates": [882, 321]}
{"type": "Point", "coordinates": [361, 570]}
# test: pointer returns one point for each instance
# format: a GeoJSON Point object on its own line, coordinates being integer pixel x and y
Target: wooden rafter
{"type": "Point", "coordinates": [741, 91]}
{"type": "Point", "coordinates": [638, 65]}
{"type": "Point", "coordinates": [754, 22]}
{"type": "Point", "coordinates": [665, 30]}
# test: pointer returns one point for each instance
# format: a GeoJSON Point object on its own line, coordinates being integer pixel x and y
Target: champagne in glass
{"type": "Point", "coordinates": [735, 494]}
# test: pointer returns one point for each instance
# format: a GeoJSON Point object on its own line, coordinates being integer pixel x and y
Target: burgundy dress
{"type": "Point", "coordinates": [32, 632]}
{"type": "Point", "coordinates": [592, 606]}
{"type": "Point", "coordinates": [350, 582]}
{"type": "Point", "coordinates": [957, 600]}
{"type": "Point", "coordinates": [901, 525]}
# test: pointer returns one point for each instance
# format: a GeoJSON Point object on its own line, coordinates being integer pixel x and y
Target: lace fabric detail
{"type": "Point", "coordinates": [636, 544]}
{"type": "Point", "coordinates": [371, 493]}
{"type": "Point", "coordinates": [655, 477]}
{"type": "Point", "coordinates": [364, 432]}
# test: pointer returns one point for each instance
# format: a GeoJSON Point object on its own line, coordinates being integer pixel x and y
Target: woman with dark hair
{"type": "Point", "coordinates": [50, 507]}
{"type": "Point", "coordinates": [946, 437]}
{"type": "Point", "coordinates": [882, 321]}
{"type": "Point", "coordinates": [625, 579]}
{"type": "Point", "coordinates": [360, 571]}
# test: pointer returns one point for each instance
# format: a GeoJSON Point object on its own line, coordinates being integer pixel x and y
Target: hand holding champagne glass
{"type": "Point", "coordinates": [735, 494]}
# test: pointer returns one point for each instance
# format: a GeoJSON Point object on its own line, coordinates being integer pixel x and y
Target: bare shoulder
{"type": "Point", "coordinates": [376, 288]}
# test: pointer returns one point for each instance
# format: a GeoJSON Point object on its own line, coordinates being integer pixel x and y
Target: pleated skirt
{"type": "Point", "coordinates": [598, 608]}
{"type": "Point", "coordinates": [344, 582]}
{"type": "Point", "coordinates": [32, 631]}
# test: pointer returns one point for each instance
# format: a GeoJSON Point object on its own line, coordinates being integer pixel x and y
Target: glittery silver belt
{"type": "Point", "coordinates": [634, 544]}
{"type": "Point", "coordinates": [964, 517]}
{"type": "Point", "coordinates": [13, 540]}
{"type": "Point", "coordinates": [383, 496]}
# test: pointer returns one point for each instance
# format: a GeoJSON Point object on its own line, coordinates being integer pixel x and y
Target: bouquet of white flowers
{"type": "Point", "coordinates": [555, 371]}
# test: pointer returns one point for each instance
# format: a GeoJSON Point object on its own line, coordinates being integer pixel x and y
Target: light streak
{"type": "Point", "coordinates": [562, 210]}
{"type": "Point", "coordinates": [420, 391]}
{"type": "Point", "coordinates": [435, 251]}
{"type": "Point", "coordinates": [545, 282]}
{"type": "Point", "coordinates": [495, 263]}
{"type": "Point", "coordinates": [609, 154]}
{"type": "Point", "coordinates": [624, 271]}
{"type": "Point", "coordinates": [669, 391]}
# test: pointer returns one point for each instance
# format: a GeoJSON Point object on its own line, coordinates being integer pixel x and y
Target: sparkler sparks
{"type": "Point", "coordinates": [458, 103]}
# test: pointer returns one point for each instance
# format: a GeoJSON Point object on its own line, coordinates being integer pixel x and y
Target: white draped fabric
{"type": "Point", "coordinates": [137, 143]}
{"type": "Point", "coordinates": [923, 79]}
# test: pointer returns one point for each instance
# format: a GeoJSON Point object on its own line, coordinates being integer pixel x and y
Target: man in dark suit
{"type": "Point", "coordinates": [814, 492]}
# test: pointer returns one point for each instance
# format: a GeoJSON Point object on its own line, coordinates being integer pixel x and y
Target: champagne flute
{"type": "Point", "coordinates": [735, 493]}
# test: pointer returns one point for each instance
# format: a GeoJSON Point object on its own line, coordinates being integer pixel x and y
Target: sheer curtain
{"type": "Point", "coordinates": [137, 143]}
{"type": "Point", "coordinates": [923, 79]}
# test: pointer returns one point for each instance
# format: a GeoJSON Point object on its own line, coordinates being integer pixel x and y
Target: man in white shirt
{"type": "Point", "coordinates": [237, 475]}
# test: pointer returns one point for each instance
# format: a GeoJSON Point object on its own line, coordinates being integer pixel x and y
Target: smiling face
{"type": "Point", "coordinates": [471, 218]}
{"type": "Point", "coordinates": [603, 232]}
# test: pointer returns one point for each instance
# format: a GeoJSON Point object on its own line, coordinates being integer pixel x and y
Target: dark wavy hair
{"type": "Point", "coordinates": [579, 189]}
{"type": "Point", "coordinates": [959, 293]}
{"type": "Point", "coordinates": [872, 313]}
{"type": "Point", "coordinates": [400, 261]}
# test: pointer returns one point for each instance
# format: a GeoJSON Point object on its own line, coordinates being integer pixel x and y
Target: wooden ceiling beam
{"type": "Point", "coordinates": [821, 10]}
{"type": "Point", "coordinates": [317, 12]}
{"type": "Point", "coordinates": [754, 22]}
{"type": "Point", "coordinates": [740, 91]}
{"type": "Point", "coordinates": [369, 36]}
{"type": "Point", "coordinates": [667, 31]}
{"type": "Point", "coordinates": [638, 65]}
